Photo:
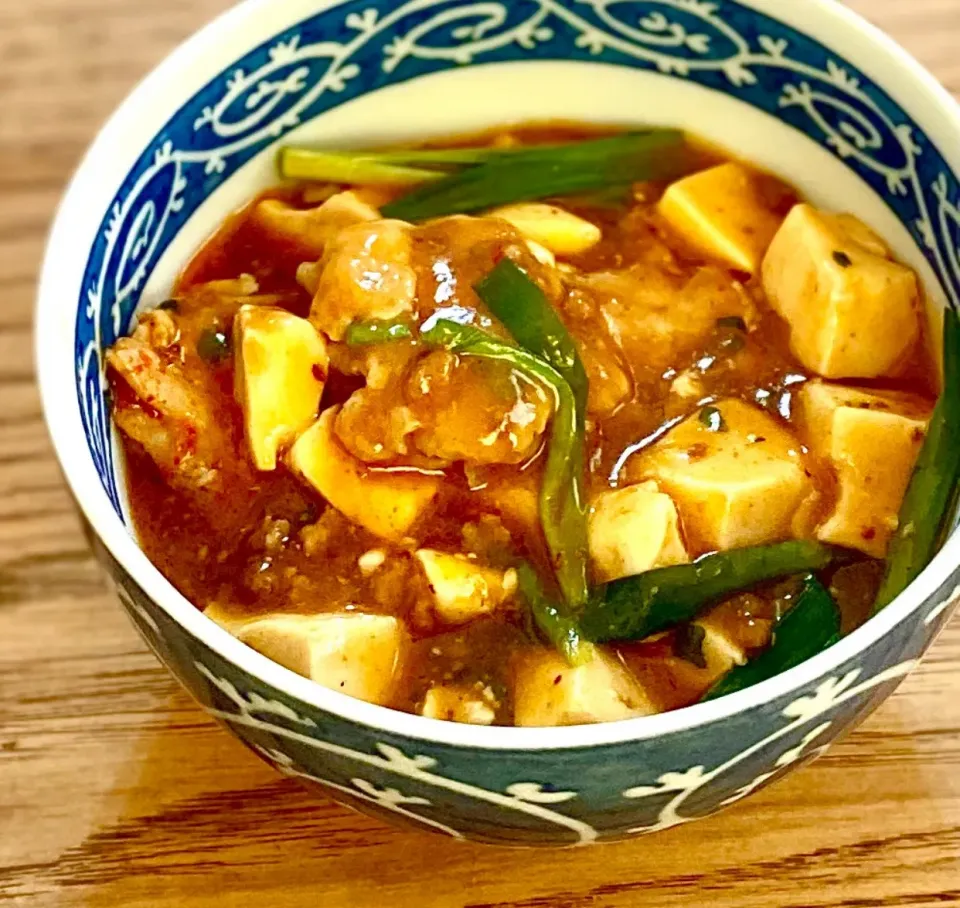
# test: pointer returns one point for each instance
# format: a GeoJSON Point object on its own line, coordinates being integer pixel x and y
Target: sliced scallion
{"type": "Point", "coordinates": [552, 621]}
{"type": "Point", "coordinates": [336, 167]}
{"type": "Point", "coordinates": [636, 607]}
{"type": "Point", "coordinates": [562, 498]}
{"type": "Point", "coordinates": [535, 173]}
{"type": "Point", "coordinates": [360, 334]}
{"type": "Point", "coordinates": [927, 503]}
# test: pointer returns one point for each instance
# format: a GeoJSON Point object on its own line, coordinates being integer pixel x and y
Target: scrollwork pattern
{"type": "Point", "coordinates": [829, 695]}
{"type": "Point", "coordinates": [250, 711]}
{"type": "Point", "coordinates": [781, 749]}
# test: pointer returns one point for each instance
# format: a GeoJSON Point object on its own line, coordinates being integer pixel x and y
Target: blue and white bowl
{"type": "Point", "coordinates": [805, 89]}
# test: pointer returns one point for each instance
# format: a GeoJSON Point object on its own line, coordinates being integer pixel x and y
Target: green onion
{"type": "Point", "coordinates": [374, 332]}
{"type": "Point", "coordinates": [614, 196]}
{"type": "Point", "coordinates": [562, 497]}
{"type": "Point", "coordinates": [810, 627]}
{"type": "Point", "coordinates": [927, 503]}
{"type": "Point", "coordinates": [527, 314]}
{"type": "Point", "coordinates": [428, 158]}
{"type": "Point", "coordinates": [636, 607]}
{"type": "Point", "coordinates": [336, 167]}
{"type": "Point", "coordinates": [554, 624]}
{"type": "Point", "coordinates": [538, 173]}
{"type": "Point", "coordinates": [444, 157]}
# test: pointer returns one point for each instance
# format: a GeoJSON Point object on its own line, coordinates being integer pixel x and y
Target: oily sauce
{"type": "Point", "coordinates": [271, 544]}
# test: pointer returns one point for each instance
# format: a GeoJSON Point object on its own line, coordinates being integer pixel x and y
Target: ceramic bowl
{"type": "Point", "coordinates": [805, 89]}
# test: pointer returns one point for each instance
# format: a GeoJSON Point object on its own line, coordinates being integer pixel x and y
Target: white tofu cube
{"type": "Point", "coordinates": [736, 475]}
{"type": "Point", "coordinates": [453, 703]}
{"type": "Point", "coordinates": [852, 312]}
{"type": "Point", "coordinates": [559, 231]}
{"type": "Point", "coordinates": [356, 654]}
{"type": "Point", "coordinates": [632, 530]}
{"type": "Point", "coordinates": [280, 367]}
{"type": "Point", "coordinates": [309, 229]}
{"type": "Point", "coordinates": [462, 589]}
{"type": "Point", "coordinates": [722, 214]}
{"type": "Point", "coordinates": [548, 691]}
{"type": "Point", "coordinates": [871, 440]}
{"type": "Point", "coordinates": [386, 503]}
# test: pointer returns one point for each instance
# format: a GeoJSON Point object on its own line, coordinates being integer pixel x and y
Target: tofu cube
{"type": "Point", "coordinates": [559, 231]}
{"type": "Point", "coordinates": [632, 530]}
{"type": "Point", "coordinates": [736, 475]}
{"type": "Point", "coordinates": [548, 691]}
{"type": "Point", "coordinates": [852, 311]}
{"type": "Point", "coordinates": [871, 440]}
{"type": "Point", "coordinates": [280, 369]}
{"type": "Point", "coordinates": [456, 703]}
{"type": "Point", "coordinates": [309, 229]}
{"type": "Point", "coordinates": [356, 654]}
{"type": "Point", "coordinates": [722, 214]}
{"type": "Point", "coordinates": [462, 589]}
{"type": "Point", "coordinates": [386, 503]}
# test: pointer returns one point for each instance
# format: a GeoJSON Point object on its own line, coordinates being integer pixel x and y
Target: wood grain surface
{"type": "Point", "coordinates": [115, 790]}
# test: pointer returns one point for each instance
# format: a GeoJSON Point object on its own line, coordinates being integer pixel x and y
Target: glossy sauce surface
{"type": "Point", "coordinates": [272, 545]}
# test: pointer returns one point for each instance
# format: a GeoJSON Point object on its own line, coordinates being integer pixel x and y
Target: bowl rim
{"type": "Point", "coordinates": [824, 20]}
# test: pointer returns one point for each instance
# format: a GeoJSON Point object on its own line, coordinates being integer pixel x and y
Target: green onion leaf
{"type": "Point", "coordinates": [712, 420]}
{"type": "Point", "coordinates": [562, 496]}
{"type": "Point", "coordinates": [558, 627]}
{"type": "Point", "coordinates": [527, 314]}
{"type": "Point", "coordinates": [688, 644]}
{"type": "Point", "coordinates": [213, 346]}
{"type": "Point", "coordinates": [636, 607]}
{"type": "Point", "coordinates": [538, 173]}
{"type": "Point", "coordinates": [926, 506]}
{"type": "Point", "coordinates": [336, 167]}
{"type": "Point", "coordinates": [446, 157]}
{"type": "Point", "coordinates": [361, 334]}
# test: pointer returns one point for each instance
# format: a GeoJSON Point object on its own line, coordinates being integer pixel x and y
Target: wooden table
{"type": "Point", "coordinates": [115, 790]}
